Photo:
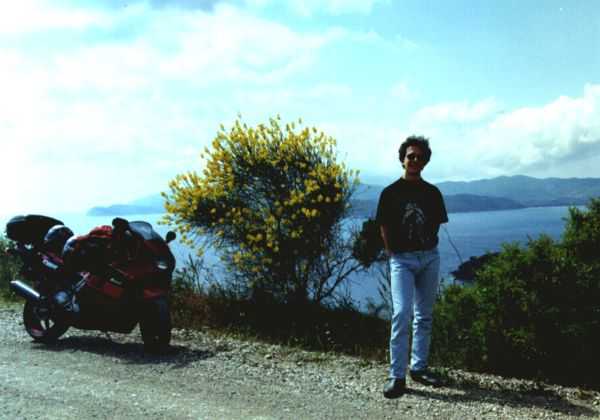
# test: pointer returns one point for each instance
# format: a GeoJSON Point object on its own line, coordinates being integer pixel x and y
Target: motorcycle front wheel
{"type": "Point", "coordinates": [41, 325]}
{"type": "Point", "coordinates": [155, 325]}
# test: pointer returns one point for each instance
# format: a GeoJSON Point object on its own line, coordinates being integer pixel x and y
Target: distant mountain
{"type": "Point", "coordinates": [502, 193]}
{"type": "Point", "coordinates": [368, 192]}
{"type": "Point", "coordinates": [123, 210]}
{"type": "Point", "coordinates": [146, 205]}
{"type": "Point", "coordinates": [155, 201]}
{"type": "Point", "coordinates": [464, 203]}
{"type": "Point", "coordinates": [531, 192]}
{"type": "Point", "coordinates": [457, 203]}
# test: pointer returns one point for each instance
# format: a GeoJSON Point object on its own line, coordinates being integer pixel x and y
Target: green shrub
{"type": "Point", "coordinates": [534, 310]}
{"type": "Point", "coordinates": [457, 337]}
{"type": "Point", "coordinates": [9, 269]}
{"type": "Point", "coordinates": [368, 245]}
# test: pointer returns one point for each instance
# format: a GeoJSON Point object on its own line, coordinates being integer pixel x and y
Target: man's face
{"type": "Point", "coordinates": [414, 160]}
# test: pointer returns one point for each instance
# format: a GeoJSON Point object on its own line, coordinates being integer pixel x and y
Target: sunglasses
{"type": "Point", "coordinates": [415, 157]}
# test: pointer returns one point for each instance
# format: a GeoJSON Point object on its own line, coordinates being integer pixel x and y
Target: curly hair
{"type": "Point", "coordinates": [419, 141]}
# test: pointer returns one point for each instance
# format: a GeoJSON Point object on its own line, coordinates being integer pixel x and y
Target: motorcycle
{"type": "Point", "coordinates": [111, 279]}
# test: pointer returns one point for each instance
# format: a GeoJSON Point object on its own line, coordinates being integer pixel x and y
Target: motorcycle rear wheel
{"type": "Point", "coordinates": [155, 325]}
{"type": "Point", "coordinates": [41, 325]}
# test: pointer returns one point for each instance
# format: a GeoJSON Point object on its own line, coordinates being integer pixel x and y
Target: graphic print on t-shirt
{"type": "Point", "coordinates": [414, 223]}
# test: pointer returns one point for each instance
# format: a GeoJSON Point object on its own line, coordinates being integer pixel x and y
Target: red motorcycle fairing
{"type": "Point", "coordinates": [105, 305]}
{"type": "Point", "coordinates": [104, 280]}
{"type": "Point", "coordinates": [121, 263]}
{"type": "Point", "coordinates": [110, 288]}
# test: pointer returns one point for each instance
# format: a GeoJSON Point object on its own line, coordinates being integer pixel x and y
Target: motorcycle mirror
{"type": "Point", "coordinates": [170, 236]}
{"type": "Point", "coordinates": [120, 224]}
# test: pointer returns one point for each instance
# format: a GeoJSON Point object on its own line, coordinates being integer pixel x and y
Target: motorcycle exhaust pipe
{"type": "Point", "coordinates": [24, 291]}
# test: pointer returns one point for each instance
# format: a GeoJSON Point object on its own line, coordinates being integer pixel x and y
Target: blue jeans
{"type": "Point", "coordinates": [414, 283]}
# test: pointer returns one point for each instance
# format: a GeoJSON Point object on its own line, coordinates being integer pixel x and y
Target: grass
{"type": "Point", "coordinates": [310, 327]}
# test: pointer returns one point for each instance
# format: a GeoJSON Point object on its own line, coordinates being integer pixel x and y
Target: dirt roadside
{"type": "Point", "coordinates": [89, 376]}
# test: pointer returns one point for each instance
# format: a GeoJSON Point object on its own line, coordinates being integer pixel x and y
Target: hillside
{"type": "Point", "coordinates": [529, 191]}
{"type": "Point", "coordinates": [458, 203]}
{"type": "Point", "coordinates": [464, 203]}
{"type": "Point", "coordinates": [500, 193]}
{"type": "Point", "coordinates": [152, 204]}
{"type": "Point", "coordinates": [123, 210]}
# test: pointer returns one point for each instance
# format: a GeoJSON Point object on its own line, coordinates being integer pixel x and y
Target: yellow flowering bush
{"type": "Point", "coordinates": [270, 199]}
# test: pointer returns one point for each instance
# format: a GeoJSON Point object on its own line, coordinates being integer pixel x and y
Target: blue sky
{"type": "Point", "coordinates": [105, 101]}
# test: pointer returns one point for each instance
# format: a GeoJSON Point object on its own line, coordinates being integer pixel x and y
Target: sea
{"type": "Point", "coordinates": [464, 236]}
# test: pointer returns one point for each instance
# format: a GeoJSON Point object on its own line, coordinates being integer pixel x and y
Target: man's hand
{"type": "Point", "coordinates": [384, 236]}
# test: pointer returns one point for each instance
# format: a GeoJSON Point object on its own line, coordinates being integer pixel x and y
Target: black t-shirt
{"type": "Point", "coordinates": [412, 211]}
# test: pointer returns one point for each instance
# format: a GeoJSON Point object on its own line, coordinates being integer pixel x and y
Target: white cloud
{"type": "Point", "coordinates": [110, 117]}
{"type": "Point", "coordinates": [226, 45]}
{"type": "Point", "coordinates": [456, 112]}
{"type": "Point", "coordinates": [474, 142]}
{"type": "Point", "coordinates": [400, 91]}
{"type": "Point", "coordinates": [229, 45]}
{"type": "Point", "coordinates": [309, 8]}
{"type": "Point", "coordinates": [405, 43]}
{"type": "Point", "coordinates": [374, 39]}
{"type": "Point", "coordinates": [368, 146]}
{"type": "Point", "coordinates": [26, 16]}
{"type": "Point", "coordinates": [565, 130]}
{"type": "Point", "coordinates": [320, 96]}
{"type": "Point", "coordinates": [116, 119]}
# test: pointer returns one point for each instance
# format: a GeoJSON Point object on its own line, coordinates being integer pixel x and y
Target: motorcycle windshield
{"type": "Point", "coordinates": [144, 229]}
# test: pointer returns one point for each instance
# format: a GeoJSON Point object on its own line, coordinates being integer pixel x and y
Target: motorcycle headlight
{"type": "Point", "coordinates": [162, 265]}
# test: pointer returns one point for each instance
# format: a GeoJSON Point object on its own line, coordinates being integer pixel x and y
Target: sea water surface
{"type": "Point", "coordinates": [472, 234]}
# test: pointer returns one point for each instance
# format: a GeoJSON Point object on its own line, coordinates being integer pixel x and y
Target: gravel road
{"type": "Point", "coordinates": [90, 376]}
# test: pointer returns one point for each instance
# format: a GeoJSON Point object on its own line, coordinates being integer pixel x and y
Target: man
{"type": "Point", "coordinates": [409, 214]}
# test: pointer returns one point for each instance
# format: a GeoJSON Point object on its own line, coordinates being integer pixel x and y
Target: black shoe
{"type": "Point", "coordinates": [425, 377]}
{"type": "Point", "coordinates": [395, 388]}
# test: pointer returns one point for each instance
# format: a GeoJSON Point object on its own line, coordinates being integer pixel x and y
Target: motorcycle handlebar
{"type": "Point", "coordinates": [120, 224]}
{"type": "Point", "coordinates": [122, 229]}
